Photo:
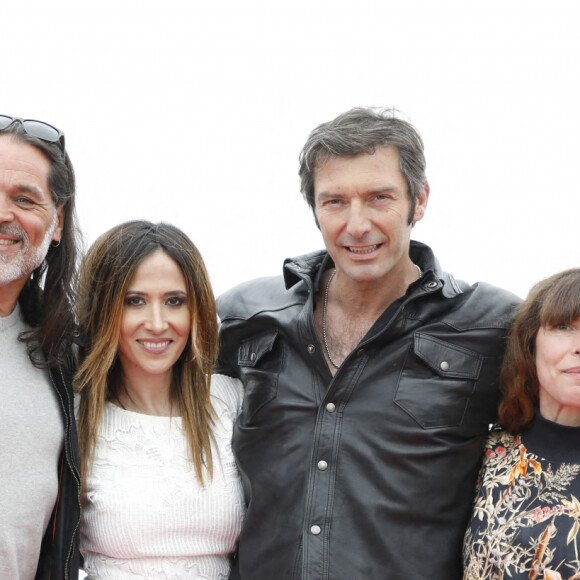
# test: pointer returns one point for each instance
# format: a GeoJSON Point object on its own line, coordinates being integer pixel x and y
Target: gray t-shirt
{"type": "Point", "coordinates": [31, 438]}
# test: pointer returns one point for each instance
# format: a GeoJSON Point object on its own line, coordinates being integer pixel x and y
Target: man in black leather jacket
{"type": "Point", "coordinates": [39, 462]}
{"type": "Point", "coordinates": [371, 377]}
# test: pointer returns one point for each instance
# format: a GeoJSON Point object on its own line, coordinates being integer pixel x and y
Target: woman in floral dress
{"type": "Point", "coordinates": [526, 517]}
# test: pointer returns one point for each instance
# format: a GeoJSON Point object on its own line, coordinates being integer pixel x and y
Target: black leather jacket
{"type": "Point", "coordinates": [368, 474]}
{"type": "Point", "coordinates": [59, 554]}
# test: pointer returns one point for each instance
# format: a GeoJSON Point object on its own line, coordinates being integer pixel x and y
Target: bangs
{"type": "Point", "coordinates": [561, 303]}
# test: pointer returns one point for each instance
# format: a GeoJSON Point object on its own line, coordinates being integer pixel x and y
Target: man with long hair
{"type": "Point", "coordinates": [38, 440]}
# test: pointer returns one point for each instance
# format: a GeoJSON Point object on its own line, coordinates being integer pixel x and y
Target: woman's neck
{"type": "Point", "coordinates": [147, 395]}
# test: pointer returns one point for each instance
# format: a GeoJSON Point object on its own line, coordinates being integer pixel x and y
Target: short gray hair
{"type": "Point", "coordinates": [360, 131]}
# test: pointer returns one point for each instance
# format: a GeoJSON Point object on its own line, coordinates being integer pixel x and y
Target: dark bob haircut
{"type": "Point", "coordinates": [555, 300]}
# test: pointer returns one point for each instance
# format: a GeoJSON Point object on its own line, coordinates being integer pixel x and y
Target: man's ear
{"type": "Point", "coordinates": [60, 213]}
{"type": "Point", "coordinates": [421, 203]}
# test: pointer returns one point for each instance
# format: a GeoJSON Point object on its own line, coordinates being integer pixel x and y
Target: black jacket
{"type": "Point", "coordinates": [367, 475]}
{"type": "Point", "coordinates": [59, 555]}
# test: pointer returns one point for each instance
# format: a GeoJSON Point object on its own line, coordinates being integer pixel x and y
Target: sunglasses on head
{"type": "Point", "coordinates": [38, 129]}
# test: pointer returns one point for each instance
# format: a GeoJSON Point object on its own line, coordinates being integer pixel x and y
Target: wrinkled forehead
{"type": "Point", "coordinates": [23, 166]}
{"type": "Point", "coordinates": [364, 170]}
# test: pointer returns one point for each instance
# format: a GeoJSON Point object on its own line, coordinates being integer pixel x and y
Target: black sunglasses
{"type": "Point", "coordinates": [38, 129]}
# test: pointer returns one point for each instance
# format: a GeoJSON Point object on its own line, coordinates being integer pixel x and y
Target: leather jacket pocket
{"type": "Point", "coordinates": [436, 381]}
{"type": "Point", "coordinates": [260, 359]}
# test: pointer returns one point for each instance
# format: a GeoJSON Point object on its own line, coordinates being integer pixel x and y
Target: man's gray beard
{"type": "Point", "coordinates": [28, 258]}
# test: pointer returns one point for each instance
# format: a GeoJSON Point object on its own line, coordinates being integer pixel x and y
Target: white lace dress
{"type": "Point", "coordinates": [147, 516]}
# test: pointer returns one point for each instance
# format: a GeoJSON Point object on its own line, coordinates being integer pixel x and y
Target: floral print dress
{"type": "Point", "coordinates": [526, 516]}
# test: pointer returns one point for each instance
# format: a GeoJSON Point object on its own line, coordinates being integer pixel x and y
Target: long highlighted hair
{"type": "Point", "coordinates": [106, 273]}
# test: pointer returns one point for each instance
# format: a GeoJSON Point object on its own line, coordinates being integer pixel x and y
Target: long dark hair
{"type": "Point", "coordinates": [47, 298]}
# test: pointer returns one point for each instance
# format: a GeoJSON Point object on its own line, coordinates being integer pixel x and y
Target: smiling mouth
{"type": "Point", "coordinates": [365, 250]}
{"type": "Point", "coordinates": [156, 346]}
{"type": "Point", "coordinates": [8, 242]}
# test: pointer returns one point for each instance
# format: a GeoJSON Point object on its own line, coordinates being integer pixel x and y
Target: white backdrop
{"type": "Point", "coordinates": [195, 113]}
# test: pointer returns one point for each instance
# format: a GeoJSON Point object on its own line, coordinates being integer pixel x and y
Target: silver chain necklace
{"type": "Point", "coordinates": [325, 340]}
{"type": "Point", "coordinates": [324, 337]}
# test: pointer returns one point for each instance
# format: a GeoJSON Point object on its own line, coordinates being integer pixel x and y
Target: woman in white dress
{"type": "Point", "coordinates": [161, 493]}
